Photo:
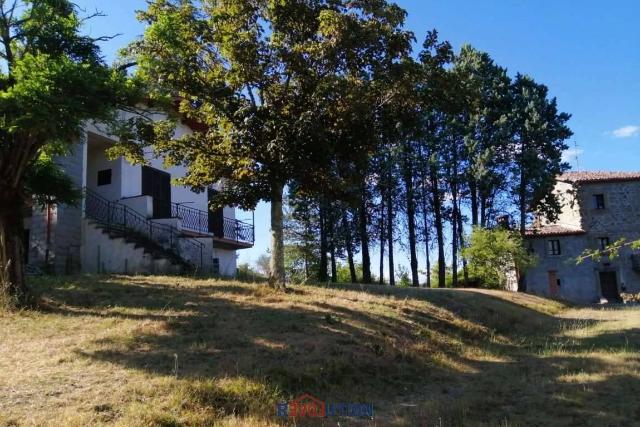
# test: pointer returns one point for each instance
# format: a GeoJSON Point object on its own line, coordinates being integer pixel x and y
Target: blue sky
{"type": "Point", "coordinates": [586, 52]}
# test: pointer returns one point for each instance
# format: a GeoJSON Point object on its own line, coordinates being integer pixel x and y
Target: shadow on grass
{"type": "Point", "coordinates": [466, 357]}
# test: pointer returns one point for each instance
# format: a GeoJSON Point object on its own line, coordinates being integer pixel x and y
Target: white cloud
{"type": "Point", "coordinates": [571, 154]}
{"type": "Point", "coordinates": [626, 131]}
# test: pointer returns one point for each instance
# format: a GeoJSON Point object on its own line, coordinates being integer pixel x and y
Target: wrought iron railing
{"type": "Point", "coordinates": [191, 219]}
{"type": "Point", "coordinates": [119, 217]}
{"type": "Point", "coordinates": [197, 220]}
{"type": "Point", "coordinates": [239, 231]}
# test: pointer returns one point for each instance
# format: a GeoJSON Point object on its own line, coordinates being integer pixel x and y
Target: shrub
{"type": "Point", "coordinates": [493, 254]}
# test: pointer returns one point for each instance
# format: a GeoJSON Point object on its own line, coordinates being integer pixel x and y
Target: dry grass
{"type": "Point", "coordinates": [104, 351]}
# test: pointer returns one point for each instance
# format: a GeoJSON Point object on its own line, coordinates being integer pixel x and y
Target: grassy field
{"type": "Point", "coordinates": [166, 351]}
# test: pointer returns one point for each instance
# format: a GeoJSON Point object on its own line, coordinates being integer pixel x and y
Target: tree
{"type": "Point", "coordinates": [435, 95]}
{"type": "Point", "coordinates": [52, 79]}
{"type": "Point", "coordinates": [538, 138]}
{"type": "Point", "coordinates": [262, 264]}
{"type": "Point", "coordinates": [486, 128]}
{"type": "Point", "coordinates": [264, 79]}
{"type": "Point", "coordinates": [494, 254]}
{"type": "Point", "coordinates": [302, 228]}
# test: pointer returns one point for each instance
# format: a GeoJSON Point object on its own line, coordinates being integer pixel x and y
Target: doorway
{"type": "Point", "coordinates": [554, 285]}
{"type": "Point", "coordinates": [157, 184]}
{"type": "Point", "coordinates": [609, 286]}
{"type": "Point", "coordinates": [216, 217]}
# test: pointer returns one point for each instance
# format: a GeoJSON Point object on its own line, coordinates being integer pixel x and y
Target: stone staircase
{"type": "Point", "coordinates": [136, 244]}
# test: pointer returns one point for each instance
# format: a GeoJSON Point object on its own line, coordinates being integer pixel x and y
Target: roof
{"type": "Point", "coordinates": [553, 230]}
{"type": "Point", "coordinates": [598, 176]}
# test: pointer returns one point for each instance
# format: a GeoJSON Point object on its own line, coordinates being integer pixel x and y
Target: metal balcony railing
{"type": "Point", "coordinates": [198, 221]}
{"type": "Point", "coordinates": [119, 217]}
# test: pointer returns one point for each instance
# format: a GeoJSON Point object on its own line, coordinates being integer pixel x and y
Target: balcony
{"type": "Point", "coordinates": [227, 233]}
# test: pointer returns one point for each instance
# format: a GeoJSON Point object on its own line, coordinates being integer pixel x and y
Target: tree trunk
{"type": "Point", "coordinates": [473, 190]}
{"type": "Point", "coordinates": [455, 213]}
{"type": "Point", "coordinates": [465, 269]}
{"type": "Point", "coordinates": [364, 239]}
{"type": "Point", "coordinates": [383, 242]}
{"type": "Point", "coordinates": [454, 241]}
{"type": "Point", "coordinates": [483, 211]}
{"type": "Point", "coordinates": [437, 212]}
{"type": "Point", "coordinates": [392, 279]}
{"type": "Point", "coordinates": [428, 258]}
{"type": "Point", "coordinates": [352, 266]}
{"type": "Point", "coordinates": [334, 269]}
{"type": "Point", "coordinates": [425, 223]}
{"type": "Point", "coordinates": [276, 263]}
{"type": "Point", "coordinates": [523, 210]}
{"type": "Point", "coordinates": [411, 220]}
{"type": "Point", "coordinates": [322, 276]}
{"type": "Point", "coordinates": [349, 247]}
{"type": "Point", "coordinates": [13, 288]}
{"type": "Point", "coordinates": [523, 224]}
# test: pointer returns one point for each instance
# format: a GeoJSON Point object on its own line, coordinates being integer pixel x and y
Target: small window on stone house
{"type": "Point", "coordinates": [104, 177]}
{"type": "Point", "coordinates": [553, 247]}
{"type": "Point", "coordinates": [215, 266]}
{"type": "Point", "coordinates": [598, 201]}
{"type": "Point", "coordinates": [530, 249]}
{"type": "Point", "coordinates": [603, 242]}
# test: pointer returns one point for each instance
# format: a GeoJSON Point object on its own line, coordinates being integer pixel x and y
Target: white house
{"type": "Point", "coordinates": [133, 219]}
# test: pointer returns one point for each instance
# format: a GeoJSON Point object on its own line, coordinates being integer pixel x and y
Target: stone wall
{"type": "Point", "coordinates": [63, 223]}
{"type": "Point", "coordinates": [619, 219]}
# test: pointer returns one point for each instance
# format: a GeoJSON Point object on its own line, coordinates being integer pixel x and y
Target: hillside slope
{"type": "Point", "coordinates": [104, 350]}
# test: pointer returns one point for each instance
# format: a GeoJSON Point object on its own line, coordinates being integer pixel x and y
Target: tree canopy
{"type": "Point", "coordinates": [274, 87]}
{"type": "Point", "coordinates": [52, 79]}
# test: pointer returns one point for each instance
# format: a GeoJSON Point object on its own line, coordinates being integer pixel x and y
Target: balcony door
{"type": "Point", "coordinates": [216, 217]}
{"type": "Point", "coordinates": [157, 184]}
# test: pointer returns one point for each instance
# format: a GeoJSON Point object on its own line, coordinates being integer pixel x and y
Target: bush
{"type": "Point", "coordinates": [494, 254]}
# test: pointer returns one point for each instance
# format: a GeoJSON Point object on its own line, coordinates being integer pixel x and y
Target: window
{"type": "Point", "coordinates": [530, 249]}
{"type": "Point", "coordinates": [104, 177]}
{"type": "Point", "coordinates": [598, 201]}
{"type": "Point", "coordinates": [603, 242]}
{"type": "Point", "coordinates": [215, 266]}
{"type": "Point", "coordinates": [553, 247]}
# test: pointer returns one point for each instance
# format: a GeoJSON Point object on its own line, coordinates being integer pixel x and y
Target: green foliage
{"type": "Point", "coordinates": [611, 251]}
{"type": "Point", "coordinates": [273, 89]}
{"type": "Point", "coordinates": [343, 273]}
{"type": "Point", "coordinates": [49, 184]}
{"type": "Point", "coordinates": [300, 265]}
{"type": "Point", "coordinates": [539, 132]}
{"type": "Point", "coordinates": [494, 253]}
{"type": "Point", "coordinates": [52, 80]}
{"type": "Point", "coordinates": [262, 264]}
{"type": "Point", "coordinates": [403, 276]}
{"type": "Point", "coordinates": [245, 273]}
{"type": "Point", "coordinates": [266, 81]}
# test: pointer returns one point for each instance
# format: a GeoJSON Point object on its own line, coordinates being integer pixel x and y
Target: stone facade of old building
{"type": "Point", "coordinates": [599, 208]}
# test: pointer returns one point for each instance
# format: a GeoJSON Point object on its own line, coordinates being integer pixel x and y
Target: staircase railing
{"type": "Point", "coordinates": [198, 221]}
{"type": "Point", "coordinates": [120, 217]}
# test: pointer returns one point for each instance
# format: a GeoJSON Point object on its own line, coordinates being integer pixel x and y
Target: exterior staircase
{"type": "Point", "coordinates": [159, 241]}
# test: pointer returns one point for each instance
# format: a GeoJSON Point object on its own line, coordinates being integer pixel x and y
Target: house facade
{"type": "Point", "coordinates": [133, 219]}
{"type": "Point", "coordinates": [598, 208]}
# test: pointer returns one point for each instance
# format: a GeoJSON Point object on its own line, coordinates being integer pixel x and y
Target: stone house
{"type": "Point", "coordinates": [132, 219]}
{"type": "Point", "coordinates": [598, 208]}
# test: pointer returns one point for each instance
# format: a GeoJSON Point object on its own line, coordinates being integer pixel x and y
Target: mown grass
{"type": "Point", "coordinates": [167, 351]}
